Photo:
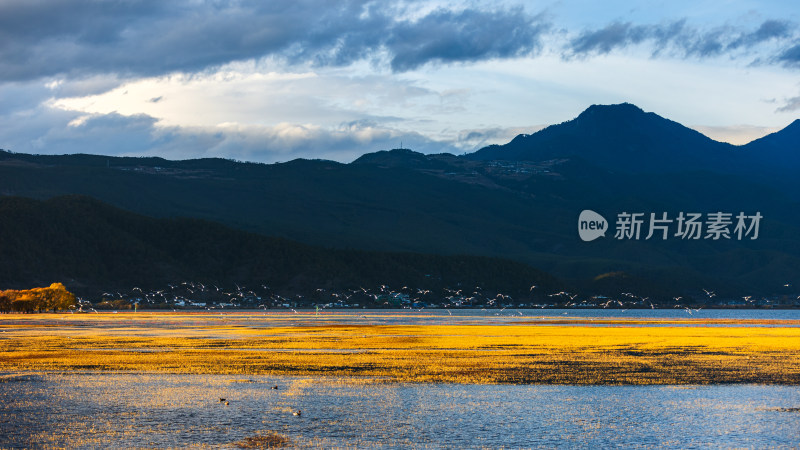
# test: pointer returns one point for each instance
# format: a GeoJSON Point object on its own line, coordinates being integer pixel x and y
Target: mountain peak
{"type": "Point", "coordinates": [617, 137]}
{"type": "Point", "coordinates": [781, 146]}
{"type": "Point", "coordinates": [617, 109]}
{"type": "Point", "coordinates": [394, 157]}
{"type": "Point", "coordinates": [621, 115]}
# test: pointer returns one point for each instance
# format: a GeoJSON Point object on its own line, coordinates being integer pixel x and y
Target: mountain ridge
{"type": "Point", "coordinates": [624, 137]}
{"type": "Point", "coordinates": [94, 247]}
{"type": "Point", "coordinates": [525, 210]}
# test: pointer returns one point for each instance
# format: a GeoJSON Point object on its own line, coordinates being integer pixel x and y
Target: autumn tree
{"type": "Point", "coordinates": [54, 297]}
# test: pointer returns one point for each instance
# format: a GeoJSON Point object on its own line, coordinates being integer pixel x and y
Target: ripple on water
{"type": "Point", "coordinates": [86, 410]}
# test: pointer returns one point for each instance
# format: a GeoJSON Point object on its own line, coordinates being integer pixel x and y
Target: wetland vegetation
{"type": "Point", "coordinates": [525, 349]}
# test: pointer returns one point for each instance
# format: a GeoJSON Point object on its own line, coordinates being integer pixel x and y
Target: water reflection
{"type": "Point", "coordinates": [156, 410]}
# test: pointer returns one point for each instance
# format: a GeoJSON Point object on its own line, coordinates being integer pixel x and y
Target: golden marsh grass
{"type": "Point", "coordinates": [640, 351]}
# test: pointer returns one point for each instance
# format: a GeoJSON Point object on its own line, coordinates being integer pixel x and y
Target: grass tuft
{"type": "Point", "coordinates": [268, 440]}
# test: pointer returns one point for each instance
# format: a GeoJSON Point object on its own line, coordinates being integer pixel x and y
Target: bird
{"type": "Point", "coordinates": [297, 413]}
{"type": "Point", "coordinates": [226, 403]}
{"type": "Point", "coordinates": [221, 399]}
{"type": "Point", "coordinates": [274, 387]}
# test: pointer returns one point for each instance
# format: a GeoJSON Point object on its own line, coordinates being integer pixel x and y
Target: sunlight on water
{"type": "Point", "coordinates": [124, 410]}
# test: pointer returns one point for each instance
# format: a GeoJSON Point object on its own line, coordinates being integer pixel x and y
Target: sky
{"type": "Point", "coordinates": [271, 81]}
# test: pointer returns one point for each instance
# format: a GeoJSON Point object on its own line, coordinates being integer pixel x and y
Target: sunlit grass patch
{"type": "Point", "coordinates": [614, 353]}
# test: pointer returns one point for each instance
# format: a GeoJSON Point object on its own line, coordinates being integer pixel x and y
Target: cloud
{"type": "Point", "coordinates": [469, 35]}
{"type": "Point", "coordinates": [792, 104]}
{"type": "Point", "coordinates": [790, 57]}
{"type": "Point", "coordinates": [85, 39]}
{"type": "Point", "coordinates": [238, 111]}
{"type": "Point", "coordinates": [246, 95]}
{"type": "Point", "coordinates": [18, 98]}
{"type": "Point", "coordinates": [684, 40]}
{"type": "Point", "coordinates": [286, 141]}
{"type": "Point", "coordinates": [613, 36]}
{"type": "Point", "coordinates": [49, 130]}
{"type": "Point", "coordinates": [475, 139]}
{"type": "Point", "coordinates": [285, 78]}
{"type": "Point", "coordinates": [769, 29]}
{"type": "Point", "coordinates": [152, 37]}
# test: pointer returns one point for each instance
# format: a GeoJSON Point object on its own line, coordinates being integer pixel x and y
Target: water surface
{"type": "Point", "coordinates": [85, 410]}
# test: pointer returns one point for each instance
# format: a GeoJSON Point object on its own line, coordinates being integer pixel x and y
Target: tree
{"type": "Point", "coordinates": [54, 297]}
{"type": "Point", "coordinates": [5, 302]}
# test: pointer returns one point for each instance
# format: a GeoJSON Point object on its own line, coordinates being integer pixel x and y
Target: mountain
{"type": "Point", "coordinates": [777, 150]}
{"type": "Point", "coordinates": [624, 138]}
{"type": "Point", "coordinates": [620, 138]}
{"type": "Point", "coordinates": [520, 201]}
{"type": "Point", "coordinates": [93, 247]}
{"type": "Point", "coordinates": [786, 142]}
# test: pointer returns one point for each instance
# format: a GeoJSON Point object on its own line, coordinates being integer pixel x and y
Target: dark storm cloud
{"type": "Point", "coordinates": [702, 44]}
{"type": "Point", "coordinates": [84, 38]}
{"type": "Point", "coordinates": [145, 37]}
{"type": "Point", "coordinates": [679, 37]}
{"type": "Point", "coordinates": [770, 29]}
{"type": "Point", "coordinates": [606, 39]}
{"type": "Point", "coordinates": [790, 57]}
{"type": "Point", "coordinates": [469, 35]}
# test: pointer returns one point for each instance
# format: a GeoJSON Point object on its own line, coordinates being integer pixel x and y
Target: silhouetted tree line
{"type": "Point", "coordinates": [55, 297]}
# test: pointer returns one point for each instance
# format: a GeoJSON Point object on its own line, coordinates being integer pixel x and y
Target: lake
{"type": "Point", "coordinates": [90, 410]}
{"type": "Point", "coordinates": [77, 409]}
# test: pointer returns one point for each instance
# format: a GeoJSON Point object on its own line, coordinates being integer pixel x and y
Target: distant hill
{"type": "Point", "coordinates": [519, 201]}
{"type": "Point", "coordinates": [784, 143]}
{"type": "Point", "coordinates": [777, 152]}
{"type": "Point", "coordinates": [92, 247]}
{"type": "Point", "coordinates": [625, 138]}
